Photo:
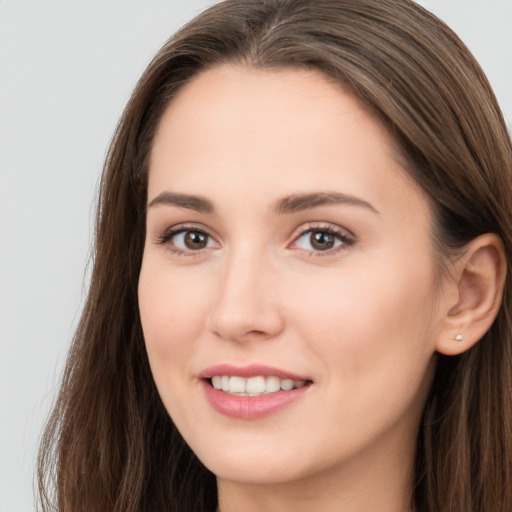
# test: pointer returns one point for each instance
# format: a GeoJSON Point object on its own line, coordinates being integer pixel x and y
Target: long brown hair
{"type": "Point", "coordinates": [110, 445]}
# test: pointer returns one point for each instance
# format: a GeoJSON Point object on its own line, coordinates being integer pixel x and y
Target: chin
{"type": "Point", "coordinates": [254, 472]}
{"type": "Point", "coordinates": [250, 463]}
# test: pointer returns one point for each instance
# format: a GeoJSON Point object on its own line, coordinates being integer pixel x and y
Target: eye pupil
{"type": "Point", "coordinates": [321, 240]}
{"type": "Point", "coordinates": [196, 240]}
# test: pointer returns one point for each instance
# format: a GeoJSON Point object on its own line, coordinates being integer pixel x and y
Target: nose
{"type": "Point", "coordinates": [246, 306]}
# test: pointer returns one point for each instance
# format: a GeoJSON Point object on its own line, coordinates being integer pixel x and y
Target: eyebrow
{"type": "Point", "coordinates": [289, 204]}
{"type": "Point", "coordinates": [197, 203]}
{"type": "Point", "coordinates": [300, 202]}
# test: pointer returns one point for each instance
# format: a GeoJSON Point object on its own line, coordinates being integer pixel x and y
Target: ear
{"type": "Point", "coordinates": [475, 294]}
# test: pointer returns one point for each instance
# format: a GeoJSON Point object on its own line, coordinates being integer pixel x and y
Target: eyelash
{"type": "Point", "coordinates": [345, 239]}
{"type": "Point", "coordinates": [341, 235]}
{"type": "Point", "coordinates": [167, 236]}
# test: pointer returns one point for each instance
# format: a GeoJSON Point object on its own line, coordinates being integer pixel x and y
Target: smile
{"type": "Point", "coordinates": [254, 386]}
{"type": "Point", "coordinates": [251, 392]}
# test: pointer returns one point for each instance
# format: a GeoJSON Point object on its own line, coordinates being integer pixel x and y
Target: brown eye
{"type": "Point", "coordinates": [188, 240]}
{"type": "Point", "coordinates": [195, 240]}
{"type": "Point", "coordinates": [321, 241]}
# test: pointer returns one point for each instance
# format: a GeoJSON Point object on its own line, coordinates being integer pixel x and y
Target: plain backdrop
{"type": "Point", "coordinates": [66, 70]}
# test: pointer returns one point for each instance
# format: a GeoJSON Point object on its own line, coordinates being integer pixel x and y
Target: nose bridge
{"type": "Point", "coordinates": [245, 307]}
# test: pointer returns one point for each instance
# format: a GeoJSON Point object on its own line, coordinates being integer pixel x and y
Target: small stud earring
{"type": "Point", "coordinates": [458, 337]}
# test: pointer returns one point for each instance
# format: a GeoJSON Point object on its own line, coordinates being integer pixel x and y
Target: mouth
{"type": "Point", "coordinates": [251, 392]}
{"type": "Point", "coordinates": [254, 386]}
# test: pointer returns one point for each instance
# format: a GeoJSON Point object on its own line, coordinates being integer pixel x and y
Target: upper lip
{"type": "Point", "coordinates": [252, 370]}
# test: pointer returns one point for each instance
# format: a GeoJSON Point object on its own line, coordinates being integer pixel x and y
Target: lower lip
{"type": "Point", "coordinates": [250, 407]}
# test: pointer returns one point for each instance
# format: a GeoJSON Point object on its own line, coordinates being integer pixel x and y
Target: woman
{"type": "Point", "coordinates": [299, 298]}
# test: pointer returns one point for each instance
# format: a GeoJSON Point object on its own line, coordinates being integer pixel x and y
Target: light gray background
{"type": "Point", "coordinates": [66, 71]}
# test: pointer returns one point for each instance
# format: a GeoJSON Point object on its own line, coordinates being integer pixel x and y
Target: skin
{"type": "Point", "coordinates": [361, 320]}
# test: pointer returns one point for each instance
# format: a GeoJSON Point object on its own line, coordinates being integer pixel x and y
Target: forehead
{"type": "Point", "coordinates": [230, 97]}
{"type": "Point", "coordinates": [282, 131]}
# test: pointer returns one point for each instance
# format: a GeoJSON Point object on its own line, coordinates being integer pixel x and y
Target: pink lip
{"type": "Point", "coordinates": [249, 407]}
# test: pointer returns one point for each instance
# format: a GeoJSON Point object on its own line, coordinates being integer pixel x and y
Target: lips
{"type": "Point", "coordinates": [251, 392]}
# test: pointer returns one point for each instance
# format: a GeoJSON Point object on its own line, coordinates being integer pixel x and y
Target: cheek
{"type": "Point", "coordinates": [369, 319]}
{"type": "Point", "coordinates": [172, 307]}
{"type": "Point", "coordinates": [367, 334]}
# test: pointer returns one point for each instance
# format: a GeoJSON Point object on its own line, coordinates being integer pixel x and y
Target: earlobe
{"type": "Point", "coordinates": [479, 277]}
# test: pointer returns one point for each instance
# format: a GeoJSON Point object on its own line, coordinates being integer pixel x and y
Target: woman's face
{"type": "Point", "coordinates": [286, 248]}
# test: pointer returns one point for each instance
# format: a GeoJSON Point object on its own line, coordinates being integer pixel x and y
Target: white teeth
{"type": "Point", "coordinates": [287, 384]}
{"type": "Point", "coordinates": [254, 386]}
{"type": "Point", "coordinates": [237, 385]}
{"type": "Point", "coordinates": [273, 384]}
{"type": "Point", "coordinates": [217, 382]}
